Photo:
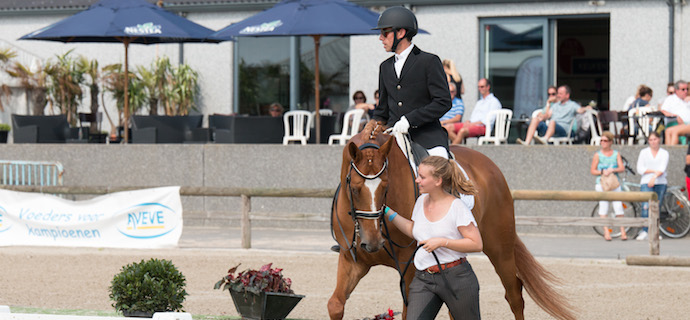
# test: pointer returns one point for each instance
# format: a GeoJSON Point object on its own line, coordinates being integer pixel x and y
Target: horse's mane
{"type": "Point", "coordinates": [372, 132]}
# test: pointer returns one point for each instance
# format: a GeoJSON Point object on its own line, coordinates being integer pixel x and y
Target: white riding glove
{"type": "Point", "coordinates": [401, 126]}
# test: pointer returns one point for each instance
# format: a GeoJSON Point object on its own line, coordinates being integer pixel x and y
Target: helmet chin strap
{"type": "Point", "coordinates": [396, 41]}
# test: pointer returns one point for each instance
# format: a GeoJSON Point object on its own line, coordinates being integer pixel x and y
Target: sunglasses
{"type": "Point", "coordinates": [552, 93]}
{"type": "Point", "coordinates": [605, 140]}
{"type": "Point", "coordinates": [385, 32]}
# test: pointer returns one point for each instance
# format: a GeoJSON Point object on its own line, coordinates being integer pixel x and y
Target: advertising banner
{"type": "Point", "coordinates": [149, 218]}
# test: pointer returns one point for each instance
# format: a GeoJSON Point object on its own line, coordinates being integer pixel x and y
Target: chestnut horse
{"type": "Point", "coordinates": [375, 173]}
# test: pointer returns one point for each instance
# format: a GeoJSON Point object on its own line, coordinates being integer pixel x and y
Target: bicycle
{"type": "Point", "coordinates": [674, 210]}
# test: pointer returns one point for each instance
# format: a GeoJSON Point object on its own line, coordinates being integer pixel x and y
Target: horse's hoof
{"type": "Point", "coordinates": [335, 248]}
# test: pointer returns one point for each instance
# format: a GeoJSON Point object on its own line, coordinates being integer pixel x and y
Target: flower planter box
{"type": "Point", "coordinates": [137, 314]}
{"type": "Point", "coordinates": [267, 305]}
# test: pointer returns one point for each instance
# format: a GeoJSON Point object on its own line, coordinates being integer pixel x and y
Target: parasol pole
{"type": "Point", "coordinates": [126, 122]}
{"type": "Point", "coordinates": [317, 114]}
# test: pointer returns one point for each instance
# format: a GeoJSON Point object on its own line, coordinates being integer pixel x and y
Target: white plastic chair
{"type": "Point", "coordinates": [501, 127]}
{"type": "Point", "coordinates": [557, 140]}
{"type": "Point", "coordinates": [645, 123]}
{"type": "Point", "coordinates": [351, 122]}
{"type": "Point", "coordinates": [594, 127]}
{"type": "Point", "coordinates": [323, 112]}
{"type": "Point", "coordinates": [300, 122]}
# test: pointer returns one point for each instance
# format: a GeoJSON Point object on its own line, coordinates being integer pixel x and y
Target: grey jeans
{"type": "Point", "coordinates": [428, 292]}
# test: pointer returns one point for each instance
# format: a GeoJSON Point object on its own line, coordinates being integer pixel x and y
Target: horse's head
{"type": "Point", "coordinates": [366, 183]}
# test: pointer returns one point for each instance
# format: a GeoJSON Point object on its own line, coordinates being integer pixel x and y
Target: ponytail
{"type": "Point", "coordinates": [459, 184]}
{"type": "Point", "coordinates": [454, 181]}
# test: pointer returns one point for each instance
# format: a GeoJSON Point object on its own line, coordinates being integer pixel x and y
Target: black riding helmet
{"type": "Point", "coordinates": [398, 18]}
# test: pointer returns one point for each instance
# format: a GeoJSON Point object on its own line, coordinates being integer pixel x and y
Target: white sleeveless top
{"type": "Point", "coordinates": [458, 215]}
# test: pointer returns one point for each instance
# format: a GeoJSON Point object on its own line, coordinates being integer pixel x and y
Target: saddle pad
{"type": "Point", "coordinates": [406, 147]}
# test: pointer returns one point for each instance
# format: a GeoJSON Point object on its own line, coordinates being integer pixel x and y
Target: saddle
{"type": "Point", "coordinates": [417, 153]}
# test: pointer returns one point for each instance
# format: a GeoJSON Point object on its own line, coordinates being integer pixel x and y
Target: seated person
{"type": "Point", "coordinates": [676, 106]}
{"type": "Point", "coordinates": [456, 111]}
{"type": "Point", "coordinates": [644, 96]}
{"type": "Point", "coordinates": [561, 114]}
{"type": "Point", "coordinates": [477, 124]}
{"type": "Point", "coordinates": [361, 103]}
{"type": "Point", "coordinates": [275, 110]}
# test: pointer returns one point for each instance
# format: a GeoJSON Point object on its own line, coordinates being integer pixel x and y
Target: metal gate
{"type": "Point", "coordinates": [31, 173]}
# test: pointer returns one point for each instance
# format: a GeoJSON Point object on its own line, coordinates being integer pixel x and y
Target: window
{"type": "Point", "coordinates": [522, 56]}
{"type": "Point", "coordinates": [264, 73]}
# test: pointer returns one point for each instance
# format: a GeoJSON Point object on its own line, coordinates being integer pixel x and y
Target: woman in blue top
{"type": "Point", "coordinates": [443, 225]}
{"type": "Point", "coordinates": [605, 162]}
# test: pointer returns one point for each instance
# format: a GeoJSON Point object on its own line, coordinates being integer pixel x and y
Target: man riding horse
{"type": "Point", "coordinates": [413, 88]}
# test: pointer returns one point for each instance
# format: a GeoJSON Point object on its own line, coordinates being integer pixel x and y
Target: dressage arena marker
{"type": "Point", "coordinates": [552, 195]}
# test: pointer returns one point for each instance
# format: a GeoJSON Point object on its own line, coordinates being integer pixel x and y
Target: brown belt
{"type": "Point", "coordinates": [434, 269]}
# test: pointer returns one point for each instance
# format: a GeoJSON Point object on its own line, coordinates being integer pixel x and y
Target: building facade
{"type": "Point", "coordinates": [602, 49]}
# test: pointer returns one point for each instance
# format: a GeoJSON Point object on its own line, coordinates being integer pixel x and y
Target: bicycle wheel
{"type": "Point", "coordinates": [630, 210]}
{"type": "Point", "coordinates": [674, 216]}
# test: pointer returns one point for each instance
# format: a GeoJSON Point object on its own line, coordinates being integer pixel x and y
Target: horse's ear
{"type": "Point", "coordinates": [386, 147]}
{"type": "Point", "coordinates": [353, 150]}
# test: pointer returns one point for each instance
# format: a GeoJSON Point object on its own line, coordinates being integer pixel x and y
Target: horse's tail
{"type": "Point", "coordinates": [539, 283]}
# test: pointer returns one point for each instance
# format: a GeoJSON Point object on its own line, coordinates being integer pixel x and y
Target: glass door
{"type": "Point", "coordinates": [514, 56]}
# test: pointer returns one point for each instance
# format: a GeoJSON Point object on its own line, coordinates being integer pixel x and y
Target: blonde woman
{"type": "Point", "coordinates": [606, 162]}
{"type": "Point", "coordinates": [445, 228]}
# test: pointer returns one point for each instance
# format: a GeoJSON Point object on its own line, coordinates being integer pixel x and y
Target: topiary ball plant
{"type": "Point", "coordinates": [149, 286]}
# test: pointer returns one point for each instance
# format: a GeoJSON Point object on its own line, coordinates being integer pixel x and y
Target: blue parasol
{"type": "Point", "coordinates": [126, 21]}
{"type": "Point", "coordinates": [315, 18]}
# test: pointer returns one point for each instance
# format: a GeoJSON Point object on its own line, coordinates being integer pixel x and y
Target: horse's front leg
{"type": "Point", "coordinates": [349, 274]}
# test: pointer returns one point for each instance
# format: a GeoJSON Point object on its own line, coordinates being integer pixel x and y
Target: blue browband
{"type": "Point", "coordinates": [368, 145]}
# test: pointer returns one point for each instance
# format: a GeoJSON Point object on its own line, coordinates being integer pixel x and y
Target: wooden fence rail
{"type": "Point", "coordinates": [551, 195]}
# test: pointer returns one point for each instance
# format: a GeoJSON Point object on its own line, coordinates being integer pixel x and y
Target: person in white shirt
{"type": "Point", "coordinates": [676, 105]}
{"type": "Point", "coordinates": [476, 125]}
{"type": "Point", "coordinates": [446, 230]}
{"type": "Point", "coordinates": [651, 165]}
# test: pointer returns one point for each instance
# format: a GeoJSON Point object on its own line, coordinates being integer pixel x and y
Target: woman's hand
{"type": "Point", "coordinates": [432, 244]}
{"type": "Point", "coordinates": [651, 182]}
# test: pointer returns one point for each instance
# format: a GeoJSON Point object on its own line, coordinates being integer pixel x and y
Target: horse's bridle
{"type": "Point", "coordinates": [354, 213]}
{"type": "Point", "coordinates": [365, 214]}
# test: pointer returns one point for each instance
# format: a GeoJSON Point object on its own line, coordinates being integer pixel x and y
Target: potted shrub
{"type": "Point", "coordinates": [260, 294]}
{"type": "Point", "coordinates": [4, 130]}
{"type": "Point", "coordinates": [140, 289]}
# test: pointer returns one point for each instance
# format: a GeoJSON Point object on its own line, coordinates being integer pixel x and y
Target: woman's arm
{"type": "Point", "coordinates": [456, 118]}
{"type": "Point", "coordinates": [621, 166]}
{"type": "Point", "coordinates": [593, 168]}
{"type": "Point", "coordinates": [641, 168]}
{"type": "Point", "coordinates": [471, 242]}
{"type": "Point", "coordinates": [400, 222]}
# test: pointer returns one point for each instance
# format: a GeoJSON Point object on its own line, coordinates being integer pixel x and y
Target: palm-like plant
{"type": "Point", "coordinates": [64, 85]}
{"type": "Point", "coordinates": [90, 68]}
{"type": "Point", "coordinates": [182, 90]}
{"type": "Point", "coordinates": [34, 82]}
{"type": "Point", "coordinates": [155, 80]}
{"type": "Point", "coordinates": [6, 55]}
{"type": "Point", "coordinates": [114, 81]}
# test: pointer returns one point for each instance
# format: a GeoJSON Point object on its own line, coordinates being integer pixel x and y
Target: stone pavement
{"type": "Point", "coordinates": [554, 246]}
